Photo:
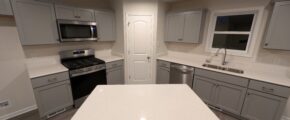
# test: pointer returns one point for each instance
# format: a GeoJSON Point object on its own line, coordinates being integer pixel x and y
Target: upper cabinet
{"type": "Point", "coordinates": [106, 25]}
{"type": "Point", "coordinates": [35, 21]}
{"type": "Point", "coordinates": [5, 7]}
{"type": "Point", "coordinates": [72, 13]}
{"type": "Point", "coordinates": [184, 27]}
{"type": "Point", "coordinates": [278, 36]}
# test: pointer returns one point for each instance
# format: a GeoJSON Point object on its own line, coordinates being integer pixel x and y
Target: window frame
{"type": "Point", "coordinates": [253, 33]}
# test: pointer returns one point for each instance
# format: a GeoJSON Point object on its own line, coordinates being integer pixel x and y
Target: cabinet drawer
{"type": "Point", "coordinates": [162, 63]}
{"type": "Point", "coordinates": [222, 77]}
{"type": "Point", "coordinates": [270, 88]}
{"type": "Point", "coordinates": [114, 64]}
{"type": "Point", "coordinates": [49, 79]}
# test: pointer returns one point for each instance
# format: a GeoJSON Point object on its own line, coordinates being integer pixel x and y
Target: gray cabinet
{"type": "Point", "coordinates": [219, 94]}
{"type": "Point", "coordinates": [115, 72]}
{"type": "Point", "coordinates": [278, 31]}
{"type": "Point", "coordinates": [106, 25]}
{"type": "Point", "coordinates": [5, 7]}
{"type": "Point", "coordinates": [36, 22]}
{"type": "Point", "coordinates": [52, 93]}
{"type": "Point", "coordinates": [230, 97]}
{"type": "Point", "coordinates": [163, 72]}
{"type": "Point", "coordinates": [262, 106]}
{"type": "Point", "coordinates": [205, 89]}
{"type": "Point", "coordinates": [72, 13]}
{"type": "Point", "coordinates": [184, 27]}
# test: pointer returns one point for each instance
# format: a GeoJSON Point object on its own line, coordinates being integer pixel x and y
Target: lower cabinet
{"type": "Point", "coordinates": [225, 96]}
{"type": "Point", "coordinates": [115, 72]}
{"type": "Point", "coordinates": [54, 98]}
{"type": "Point", "coordinates": [163, 72]}
{"type": "Point", "coordinates": [263, 106]}
{"type": "Point", "coordinates": [52, 93]}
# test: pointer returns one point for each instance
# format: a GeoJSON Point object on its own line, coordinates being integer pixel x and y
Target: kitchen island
{"type": "Point", "coordinates": [144, 102]}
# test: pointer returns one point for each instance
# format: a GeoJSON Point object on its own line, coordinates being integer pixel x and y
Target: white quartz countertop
{"type": "Point", "coordinates": [109, 58]}
{"type": "Point", "coordinates": [42, 66]}
{"type": "Point", "coordinates": [44, 70]}
{"type": "Point", "coordinates": [262, 72]}
{"type": "Point", "coordinates": [144, 102]}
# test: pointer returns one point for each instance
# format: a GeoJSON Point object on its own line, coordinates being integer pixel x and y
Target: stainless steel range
{"type": "Point", "coordinates": [86, 72]}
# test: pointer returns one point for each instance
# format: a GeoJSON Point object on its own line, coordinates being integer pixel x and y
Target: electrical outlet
{"type": "Point", "coordinates": [4, 104]}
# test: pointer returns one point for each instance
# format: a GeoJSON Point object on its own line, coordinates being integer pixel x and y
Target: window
{"type": "Point", "coordinates": [233, 30]}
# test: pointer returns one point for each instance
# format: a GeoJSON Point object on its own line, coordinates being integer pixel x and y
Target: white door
{"type": "Point", "coordinates": [139, 49]}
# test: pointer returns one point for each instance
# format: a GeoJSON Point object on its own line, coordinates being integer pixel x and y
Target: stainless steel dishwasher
{"type": "Point", "coordinates": [181, 74]}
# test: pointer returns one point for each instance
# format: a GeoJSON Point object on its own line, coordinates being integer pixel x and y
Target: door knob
{"type": "Point", "coordinates": [148, 58]}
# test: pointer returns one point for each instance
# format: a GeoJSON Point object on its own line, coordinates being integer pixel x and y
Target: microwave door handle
{"type": "Point", "coordinates": [92, 32]}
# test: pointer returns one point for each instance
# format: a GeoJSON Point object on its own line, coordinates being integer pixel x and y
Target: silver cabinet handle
{"type": "Point", "coordinates": [267, 89]}
{"type": "Point", "coordinates": [52, 80]}
{"type": "Point", "coordinates": [180, 39]}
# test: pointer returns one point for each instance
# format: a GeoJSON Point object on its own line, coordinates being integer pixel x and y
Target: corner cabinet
{"type": "Point", "coordinates": [5, 7]}
{"type": "Point", "coordinates": [72, 13]}
{"type": "Point", "coordinates": [184, 27]}
{"type": "Point", "coordinates": [115, 72]}
{"type": "Point", "coordinates": [36, 22]}
{"type": "Point", "coordinates": [106, 25]}
{"type": "Point", "coordinates": [278, 32]}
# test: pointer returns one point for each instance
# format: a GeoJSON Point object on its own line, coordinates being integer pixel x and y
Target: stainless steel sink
{"type": "Point", "coordinates": [234, 70]}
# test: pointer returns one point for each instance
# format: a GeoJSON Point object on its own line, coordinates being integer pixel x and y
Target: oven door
{"type": "Point", "coordinates": [70, 31]}
{"type": "Point", "coordinates": [83, 85]}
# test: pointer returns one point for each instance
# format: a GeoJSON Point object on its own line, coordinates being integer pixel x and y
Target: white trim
{"type": "Point", "coordinates": [253, 35]}
{"type": "Point", "coordinates": [285, 118]}
{"type": "Point", "coordinates": [19, 112]}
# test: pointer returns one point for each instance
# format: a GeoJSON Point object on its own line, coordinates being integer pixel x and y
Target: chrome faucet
{"type": "Point", "coordinates": [224, 62]}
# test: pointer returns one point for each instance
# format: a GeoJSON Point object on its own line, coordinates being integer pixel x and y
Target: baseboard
{"type": "Point", "coordinates": [19, 112]}
{"type": "Point", "coordinates": [285, 118]}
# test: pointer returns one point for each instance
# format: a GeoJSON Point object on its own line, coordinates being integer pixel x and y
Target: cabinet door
{"type": "Point", "coordinates": [192, 27]}
{"type": "Point", "coordinates": [278, 32]}
{"type": "Point", "coordinates": [53, 97]}
{"type": "Point", "coordinates": [175, 27]}
{"type": "Point", "coordinates": [115, 76]}
{"type": "Point", "coordinates": [85, 15]}
{"type": "Point", "coordinates": [35, 21]}
{"type": "Point", "coordinates": [230, 97]}
{"type": "Point", "coordinates": [5, 7]}
{"type": "Point", "coordinates": [163, 75]}
{"type": "Point", "coordinates": [106, 26]}
{"type": "Point", "coordinates": [262, 106]}
{"type": "Point", "coordinates": [65, 12]}
{"type": "Point", "coordinates": [205, 89]}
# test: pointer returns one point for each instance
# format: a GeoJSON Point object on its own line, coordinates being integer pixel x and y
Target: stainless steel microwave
{"type": "Point", "coordinates": [72, 31]}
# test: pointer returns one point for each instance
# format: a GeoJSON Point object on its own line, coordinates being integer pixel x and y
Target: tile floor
{"type": "Point", "coordinates": [68, 115]}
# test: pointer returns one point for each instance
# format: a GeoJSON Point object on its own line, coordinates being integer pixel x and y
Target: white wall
{"type": "Point", "coordinates": [275, 57]}
{"type": "Point", "coordinates": [161, 47]}
{"type": "Point", "coordinates": [118, 47]}
{"type": "Point", "coordinates": [15, 84]}
{"type": "Point", "coordinates": [53, 49]}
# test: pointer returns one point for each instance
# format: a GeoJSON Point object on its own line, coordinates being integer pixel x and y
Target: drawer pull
{"type": "Point", "coordinates": [114, 65]}
{"type": "Point", "coordinates": [52, 80]}
{"type": "Point", "coordinates": [267, 89]}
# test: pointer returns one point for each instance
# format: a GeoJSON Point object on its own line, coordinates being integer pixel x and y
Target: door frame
{"type": "Point", "coordinates": [154, 42]}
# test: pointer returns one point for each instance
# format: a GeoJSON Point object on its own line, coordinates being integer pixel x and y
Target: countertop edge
{"type": "Point", "coordinates": [223, 72]}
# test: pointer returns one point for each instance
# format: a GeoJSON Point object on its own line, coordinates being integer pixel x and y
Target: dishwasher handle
{"type": "Point", "coordinates": [182, 68]}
